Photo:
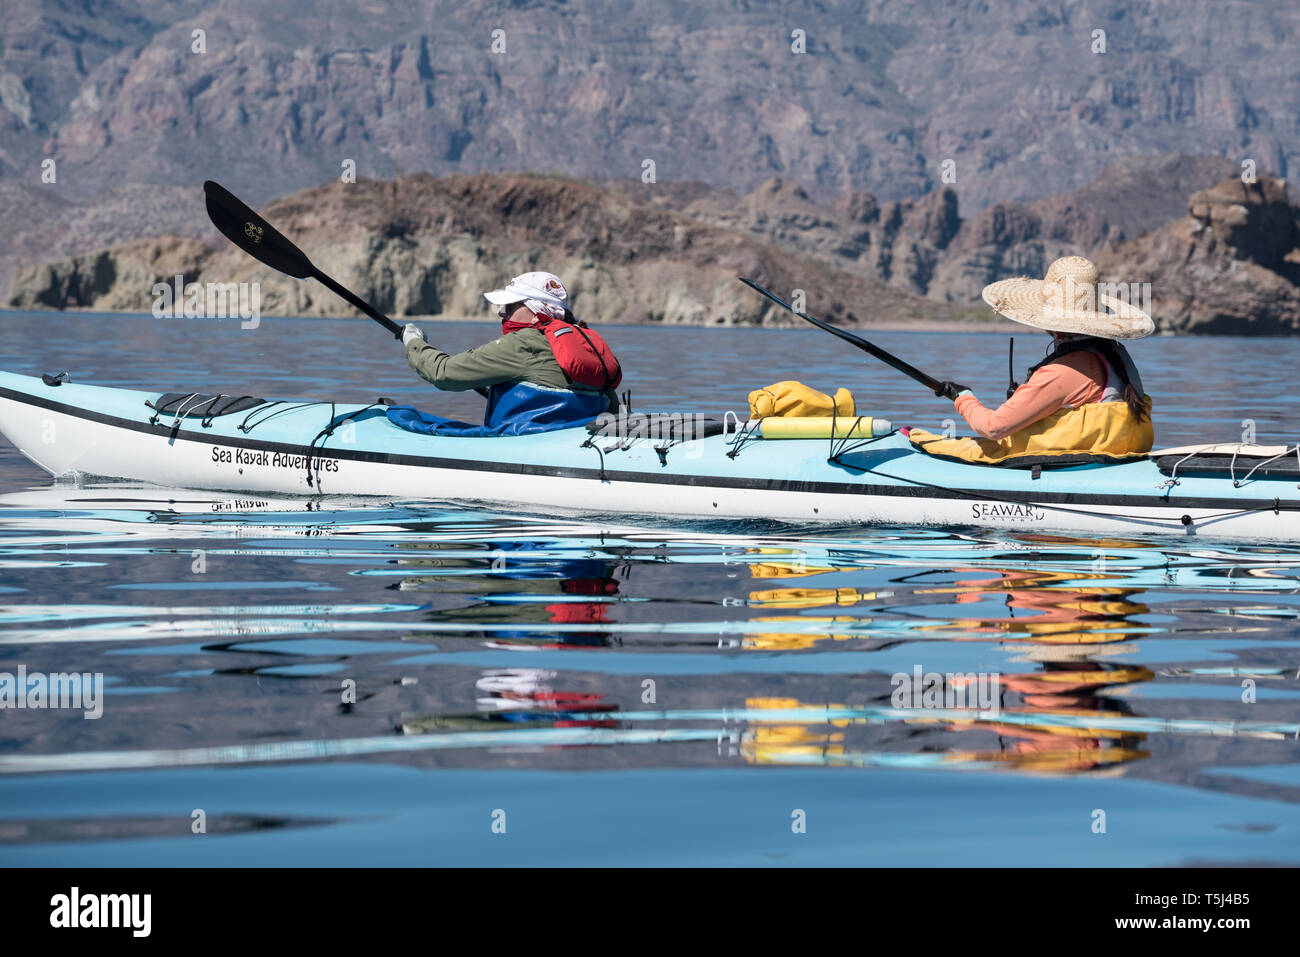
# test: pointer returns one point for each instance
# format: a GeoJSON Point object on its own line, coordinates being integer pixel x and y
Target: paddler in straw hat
{"type": "Point", "coordinates": [1084, 397]}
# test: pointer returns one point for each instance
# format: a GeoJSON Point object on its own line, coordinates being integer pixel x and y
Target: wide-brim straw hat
{"type": "Point", "coordinates": [1068, 299]}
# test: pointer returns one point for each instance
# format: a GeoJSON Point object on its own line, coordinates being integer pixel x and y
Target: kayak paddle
{"type": "Point", "coordinates": [255, 236]}
{"type": "Point", "coordinates": [908, 370]}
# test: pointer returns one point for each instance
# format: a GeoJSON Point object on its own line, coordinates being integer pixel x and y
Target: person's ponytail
{"type": "Point", "coordinates": [1138, 406]}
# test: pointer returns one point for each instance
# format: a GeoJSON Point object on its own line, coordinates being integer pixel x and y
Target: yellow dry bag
{"type": "Point", "coordinates": [799, 400]}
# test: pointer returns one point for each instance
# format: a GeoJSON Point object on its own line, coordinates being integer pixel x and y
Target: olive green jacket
{"type": "Point", "coordinates": [520, 356]}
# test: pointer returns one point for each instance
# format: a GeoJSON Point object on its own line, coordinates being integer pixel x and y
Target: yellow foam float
{"type": "Point", "coordinates": [824, 427]}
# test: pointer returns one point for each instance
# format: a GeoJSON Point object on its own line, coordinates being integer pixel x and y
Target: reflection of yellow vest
{"type": "Point", "coordinates": [1104, 430]}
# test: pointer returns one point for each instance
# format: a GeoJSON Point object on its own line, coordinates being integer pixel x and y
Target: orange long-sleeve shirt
{"type": "Point", "coordinates": [1069, 382]}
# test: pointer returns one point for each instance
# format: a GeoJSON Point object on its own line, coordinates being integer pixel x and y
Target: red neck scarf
{"type": "Point", "coordinates": [508, 325]}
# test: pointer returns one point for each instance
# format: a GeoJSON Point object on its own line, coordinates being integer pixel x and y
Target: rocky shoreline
{"type": "Point", "coordinates": [426, 246]}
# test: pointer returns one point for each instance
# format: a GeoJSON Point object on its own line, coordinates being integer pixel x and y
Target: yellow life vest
{"type": "Point", "coordinates": [1095, 432]}
{"type": "Point", "coordinates": [797, 399]}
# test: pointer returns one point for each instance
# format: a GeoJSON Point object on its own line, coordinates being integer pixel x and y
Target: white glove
{"type": "Point", "coordinates": [412, 331]}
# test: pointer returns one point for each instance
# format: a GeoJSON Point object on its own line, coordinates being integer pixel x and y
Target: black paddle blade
{"type": "Point", "coordinates": [253, 234]}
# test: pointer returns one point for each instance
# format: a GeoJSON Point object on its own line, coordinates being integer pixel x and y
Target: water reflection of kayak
{"type": "Point", "coordinates": [322, 447]}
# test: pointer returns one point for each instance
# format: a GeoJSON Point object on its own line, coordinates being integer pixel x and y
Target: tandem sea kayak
{"type": "Point", "coordinates": [688, 468]}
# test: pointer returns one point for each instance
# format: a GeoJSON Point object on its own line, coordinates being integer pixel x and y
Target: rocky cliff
{"type": "Point", "coordinates": [1231, 265]}
{"type": "Point", "coordinates": [431, 246]}
{"type": "Point", "coordinates": [925, 247]}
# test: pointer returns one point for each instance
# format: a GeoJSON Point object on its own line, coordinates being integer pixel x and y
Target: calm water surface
{"type": "Point", "coordinates": [621, 692]}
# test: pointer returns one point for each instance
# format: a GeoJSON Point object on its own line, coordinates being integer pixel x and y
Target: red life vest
{"type": "Point", "coordinates": [583, 355]}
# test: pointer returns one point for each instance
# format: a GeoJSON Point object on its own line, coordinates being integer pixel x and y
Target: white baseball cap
{"type": "Point", "coordinates": [542, 292]}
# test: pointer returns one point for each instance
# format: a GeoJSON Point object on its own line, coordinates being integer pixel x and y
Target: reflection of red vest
{"type": "Point", "coordinates": [583, 612]}
{"type": "Point", "coordinates": [583, 355]}
{"type": "Point", "coordinates": [578, 613]}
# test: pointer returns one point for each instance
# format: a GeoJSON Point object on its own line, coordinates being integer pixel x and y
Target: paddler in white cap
{"type": "Point", "coordinates": [546, 368]}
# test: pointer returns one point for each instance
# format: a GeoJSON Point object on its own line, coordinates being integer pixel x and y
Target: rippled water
{"type": "Point", "coordinates": [617, 692]}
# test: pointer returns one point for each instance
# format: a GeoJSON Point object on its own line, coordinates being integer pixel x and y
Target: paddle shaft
{"type": "Point", "coordinates": [891, 360]}
{"type": "Point", "coordinates": [357, 301]}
